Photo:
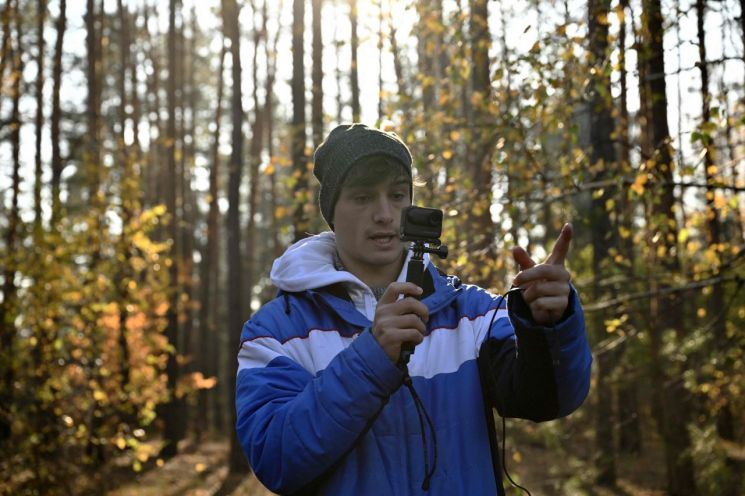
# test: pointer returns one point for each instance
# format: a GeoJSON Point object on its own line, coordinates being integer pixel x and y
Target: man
{"type": "Point", "coordinates": [319, 399]}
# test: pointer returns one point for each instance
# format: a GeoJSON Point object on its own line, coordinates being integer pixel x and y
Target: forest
{"type": "Point", "coordinates": [156, 157]}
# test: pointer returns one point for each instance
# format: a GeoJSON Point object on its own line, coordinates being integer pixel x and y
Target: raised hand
{"type": "Point", "coordinates": [546, 285]}
{"type": "Point", "coordinates": [398, 321]}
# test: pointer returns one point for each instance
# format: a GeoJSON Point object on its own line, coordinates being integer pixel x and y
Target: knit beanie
{"type": "Point", "coordinates": [346, 145]}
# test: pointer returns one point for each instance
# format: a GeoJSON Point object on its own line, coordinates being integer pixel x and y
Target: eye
{"type": "Point", "coordinates": [361, 198]}
{"type": "Point", "coordinates": [398, 195]}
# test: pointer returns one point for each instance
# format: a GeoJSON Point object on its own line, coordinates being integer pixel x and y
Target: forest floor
{"type": "Point", "coordinates": [200, 470]}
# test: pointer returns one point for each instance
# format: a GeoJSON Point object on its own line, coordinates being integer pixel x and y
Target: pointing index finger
{"type": "Point", "coordinates": [561, 248]}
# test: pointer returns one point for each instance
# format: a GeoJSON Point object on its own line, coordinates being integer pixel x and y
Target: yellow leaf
{"type": "Point", "coordinates": [200, 467]}
{"type": "Point", "coordinates": [99, 395]}
{"type": "Point", "coordinates": [120, 443]}
{"type": "Point", "coordinates": [639, 182]}
{"type": "Point", "coordinates": [447, 154]}
{"type": "Point", "coordinates": [455, 135]}
{"type": "Point", "coordinates": [517, 456]}
{"type": "Point", "coordinates": [701, 312]}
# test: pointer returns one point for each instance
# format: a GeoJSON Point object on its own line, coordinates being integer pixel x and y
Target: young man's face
{"type": "Point", "coordinates": [366, 222]}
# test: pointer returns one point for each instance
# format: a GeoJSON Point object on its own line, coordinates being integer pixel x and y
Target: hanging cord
{"type": "Point", "coordinates": [504, 458]}
{"type": "Point", "coordinates": [428, 472]}
{"type": "Point", "coordinates": [504, 422]}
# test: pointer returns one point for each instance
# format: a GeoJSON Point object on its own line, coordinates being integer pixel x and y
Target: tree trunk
{"type": "Point", "coordinates": [57, 165]}
{"type": "Point", "coordinates": [237, 463]}
{"type": "Point", "coordinates": [337, 71]}
{"type": "Point", "coordinates": [425, 58]}
{"type": "Point", "coordinates": [673, 412]}
{"type": "Point", "coordinates": [602, 161]}
{"type": "Point", "coordinates": [172, 410]}
{"type": "Point", "coordinates": [629, 435]}
{"type": "Point", "coordinates": [255, 147]}
{"type": "Point", "coordinates": [381, 38]}
{"type": "Point", "coordinates": [127, 192]}
{"type": "Point", "coordinates": [5, 43]}
{"type": "Point", "coordinates": [210, 278]}
{"type": "Point", "coordinates": [188, 104]}
{"type": "Point", "coordinates": [92, 157]}
{"type": "Point", "coordinates": [480, 173]}
{"type": "Point", "coordinates": [299, 160]}
{"type": "Point", "coordinates": [269, 125]}
{"type": "Point", "coordinates": [354, 81]}
{"type": "Point", "coordinates": [725, 421]}
{"type": "Point", "coordinates": [39, 122]}
{"type": "Point", "coordinates": [317, 104]}
{"type": "Point", "coordinates": [404, 95]}
{"type": "Point", "coordinates": [8, 310]}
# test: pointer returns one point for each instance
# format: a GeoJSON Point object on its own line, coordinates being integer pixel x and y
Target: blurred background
{"type": "Point", "coordinates": [156, 156]}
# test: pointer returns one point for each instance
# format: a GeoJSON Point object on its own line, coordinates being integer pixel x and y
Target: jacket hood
{"type": "Point", "coordinates": [309, 265]}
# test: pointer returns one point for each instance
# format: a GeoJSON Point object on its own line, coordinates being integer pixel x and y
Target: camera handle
{"type": "Point", "coordinates": [415, 274]}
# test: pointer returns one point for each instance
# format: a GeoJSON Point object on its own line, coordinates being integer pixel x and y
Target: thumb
{"type": "Point", "coordinates": [522, 259]}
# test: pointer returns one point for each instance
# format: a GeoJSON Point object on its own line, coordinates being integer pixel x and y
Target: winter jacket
{"type": "Point", "coordinates": [320, 407]}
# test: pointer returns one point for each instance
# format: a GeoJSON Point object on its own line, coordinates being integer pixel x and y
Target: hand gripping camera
{"type": "Point", "coordinates": [423, 228]}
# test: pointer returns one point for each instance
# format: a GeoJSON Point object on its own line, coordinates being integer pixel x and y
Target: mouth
{"type": "Point", "coordinates": [384, 239]}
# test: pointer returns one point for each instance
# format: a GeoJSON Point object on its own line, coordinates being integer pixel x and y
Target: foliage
{"type": "Point", "coordinates": [89, 351]}
{"type": "Point", "coordinates": [507, 157]}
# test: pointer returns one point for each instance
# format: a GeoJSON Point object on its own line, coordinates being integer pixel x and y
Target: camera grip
{"type": "Point", "coordinates": [414, 274]}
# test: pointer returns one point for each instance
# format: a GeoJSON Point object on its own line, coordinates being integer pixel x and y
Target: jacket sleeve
{"type": "Point", "coordinates": [293, 425]}
{"type": "Point", "coordinates": [539, 372]}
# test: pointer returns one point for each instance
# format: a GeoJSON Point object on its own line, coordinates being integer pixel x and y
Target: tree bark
{"type": "Point", "coordinates": [210, 278]}
{"type": "Point", "coordinates": [39, 121]}
{"type": "Point", "coordinates": [8, 310]}
{"type": "Point", "coordinates": [92, 157]}
{"type": "Point", "coordinates": [57, 165]}
{"type": "Point", "coordinates": [127, 192]}
{"type": "Point", "coordinates": [404, 95]}
{"type": "Point", "coordinates": [602, 161]}
{"type": "Point", "coordinates": [187, 103]}
{"type": "Point", "coordinates": [337, 71]}
{"type": "Point", "coordinates": [629, 435]}
{"type": "Point", "coordinates": [5, 43]}
{"type": "Point", "coordinates": [670, 393]}
{"type": "Point", "coordinates": [271, 72]}
{"type": "Point", "coordinates": [354, 78]}
{"type": "Point", "coordinates": [317, 91]}
{"type": "Point", "coordinates": [172, 432]}
{"type": "Point", "coordinates": [299, 160]}
{"type": "Point", "coordinates": [237, 463]}
{"type": "Point", "coordinates": [481, 144]}
{"type": "Point", "coordinates": [725, 420]}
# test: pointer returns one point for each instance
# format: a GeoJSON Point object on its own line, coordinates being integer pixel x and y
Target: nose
{"type": "Point", "coordinates": [384, 211]}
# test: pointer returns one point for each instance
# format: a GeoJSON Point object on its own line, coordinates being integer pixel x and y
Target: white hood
{"type": "Point", "coordinates": [309, 264]}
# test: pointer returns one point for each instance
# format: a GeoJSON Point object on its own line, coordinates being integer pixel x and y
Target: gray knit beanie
{"type": "Point", "coordinates": [345, 146]}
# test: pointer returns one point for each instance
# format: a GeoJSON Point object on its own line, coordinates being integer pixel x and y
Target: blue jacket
{"type": "Point", "coordinates": [320, 405]}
